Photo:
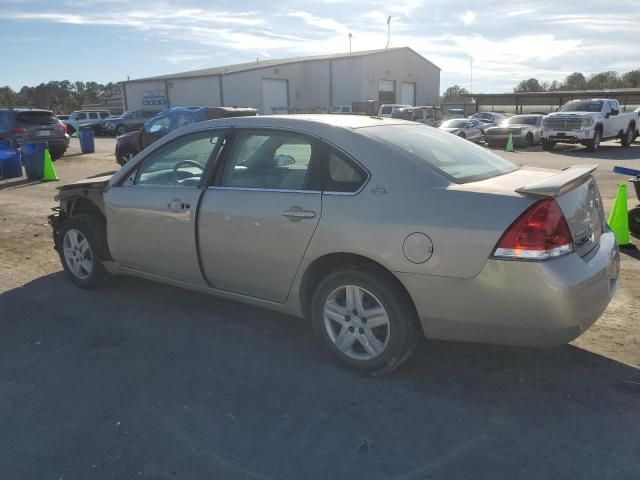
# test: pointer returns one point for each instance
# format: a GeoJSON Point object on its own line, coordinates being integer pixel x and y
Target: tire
{"type": "Point", "coordinates": [594, 144]}
{"type": "Point", "coordinates": [462, 135]}
{"type": "Point", "coordinates": [627, 138]}
{"type": "Point", "coordinates": [56, 154]}
{"type": "Point", "coordinates": [83, 265]}
{"type": "Point", "coordinates": [528, 140]}
{"type": "Point", "coordinates": [547, 145]}
{"type": "Point", "coordinates": [396, 338]}
{"type": "Point", "coordinates": [125, 155]}
{"type": "Point", "coordinates": [70, 130]}
{"type": "Point", "coordinates": [120, 130]}
{"type": "Point", "coordinates": [634, 222]}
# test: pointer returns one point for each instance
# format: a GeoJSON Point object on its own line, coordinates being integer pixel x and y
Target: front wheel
{"type": "Point", "coordinates": [366, 323]}
{"type": "Point", "coordinates": [528, 140]}
{"type": "Point", "coordinates": [634, 221]}
{"type": "Point", "coordinates": [80, 253]}
{"type": "Point", "coordinates": [627, 138]}
{"type": "Point", "coordinates": [594, 144]}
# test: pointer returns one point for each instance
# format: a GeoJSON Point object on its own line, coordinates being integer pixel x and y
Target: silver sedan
{"type": "Point", "coordinates": [377, 231]}
{"type": "Point", "coordinates": [467, 128]}
{"type": "Point", "coordinates": [524, 129]}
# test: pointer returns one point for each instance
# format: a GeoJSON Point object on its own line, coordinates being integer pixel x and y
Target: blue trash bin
{"type": "Point", "coordinates": [33, 159]}
{"type": "Point", "coordinates": [10, 166]}
{"type": "Point", "coordinates": [87, 144]}
{"type": "Point", "coordinates": [5, 144]}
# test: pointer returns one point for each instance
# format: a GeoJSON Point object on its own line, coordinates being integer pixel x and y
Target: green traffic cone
{"type": "Point", "coordinates": [509, 147]}
{"type": "Point", "coordinates": [49, 173]}
{"type": "Point", "coordinates": [619, 219]}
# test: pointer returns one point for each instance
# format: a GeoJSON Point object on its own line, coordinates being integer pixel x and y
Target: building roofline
{"type": "Point", "coordinates": [557, 93]}
{"type": "Point", "coordinates": [223, 70]}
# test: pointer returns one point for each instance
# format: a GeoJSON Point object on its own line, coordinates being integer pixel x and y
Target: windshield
{"type": "Point", "coordinates": [455, 123]}
{"type": "Point", "coordinates": [521, 120]}
{"type": "Point", "coordinates": [386, 110]}
{"type": "Point", "coordinates": [582, 106]}
{"type": "Point", "coordinates": [457, 159]}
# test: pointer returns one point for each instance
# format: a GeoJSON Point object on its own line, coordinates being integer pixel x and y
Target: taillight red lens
{"type": "Point", "coordinates": [63, 127]}
{"type": "Point", "coordinates": [18, 130]}
{"type": "Point", "coordinates": [541, 232]}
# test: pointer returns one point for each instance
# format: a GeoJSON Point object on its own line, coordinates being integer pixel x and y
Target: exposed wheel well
{"type": "Point", "coordinates": [84, 206]}
{"type": "Point", "coordinates": [322, 266]}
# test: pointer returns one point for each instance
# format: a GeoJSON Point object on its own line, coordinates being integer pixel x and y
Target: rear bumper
{"type": "Point", "coordinates": [55, 143]}
{"type": "Point", "coordinates": [519, 303]}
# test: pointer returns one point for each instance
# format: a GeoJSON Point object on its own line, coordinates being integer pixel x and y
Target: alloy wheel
{"type": "Point", "coordinates": [77, 254]}
{"type": "Point", "coordinates": [356, 322]}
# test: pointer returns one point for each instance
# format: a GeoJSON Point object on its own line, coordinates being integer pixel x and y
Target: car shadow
{"type": "Point", "coordinates": [138, 378]}
{"type": "Point", "coordinates": [606, 152]}
{"type": "Point", "coordinates": [11, 184]}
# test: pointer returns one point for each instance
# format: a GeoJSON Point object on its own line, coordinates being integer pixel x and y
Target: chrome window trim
{"type": "Point", "coordinates": [256, 189]}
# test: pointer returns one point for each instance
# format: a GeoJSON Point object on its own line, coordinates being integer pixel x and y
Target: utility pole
{"type": "Point", "coordinates": [350, 42]}
{"type": "Point", "coordinates": [388, 32]}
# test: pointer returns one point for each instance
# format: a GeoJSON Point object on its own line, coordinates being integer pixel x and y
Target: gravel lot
{"type": "Point", "coordinates": [141, 380]}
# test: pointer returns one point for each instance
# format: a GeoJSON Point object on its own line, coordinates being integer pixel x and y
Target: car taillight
{"type": "Point", "coordinates": [541, 232]}
{"type": "Point", "coordinates": [63, 127]}
{"type": "Point", "coordinates": [18, 130]}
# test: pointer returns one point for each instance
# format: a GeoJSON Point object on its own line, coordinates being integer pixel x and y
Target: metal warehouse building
{"type": "Point", "coordinates": [302, 84]}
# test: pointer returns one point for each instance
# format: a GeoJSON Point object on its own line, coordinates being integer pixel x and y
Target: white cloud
{"type": "Point", "coordinates": [468, 18]}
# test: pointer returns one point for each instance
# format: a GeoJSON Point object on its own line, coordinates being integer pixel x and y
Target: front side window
{"type": "Point", "coordinates": [104, 115]}
{"type": "Point", "coordinates": [81, 116]}
{"type": "Point", "coordinates": [93, 116]}
{"type": "Point", "coordinates": [179, 163]}
{"type": "Point", "coordinates": [455, 158]}
{"type": "Point", "coordinates": [268, 160]}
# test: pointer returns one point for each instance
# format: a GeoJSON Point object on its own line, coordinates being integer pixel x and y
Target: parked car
{"type": "Point", "coordinates": [341, 109]}
{"type": "Point", "coordinates": [465, 128]}
{"type": "Point", "coordinates": [387, 109]}
{"type": "Point", "coordinates": [376, 230]}
{"type": "Point", "coordinates": [637, 112]}
{"type": "Point", "coordinates": [62, 117]}
{"type": "Point", "coordinates": [491, 119]}
{"type": "Point", "coordinates": [588, 122]}
{"type": "Point", "coordinates": [525, 130]}
{"type": "Point", "coordinates": [24, 125]}
{"type": "Point", "coordinates": [429, 115]}
{"type": "Point", "coordinates": [128, 121]}
{"type": "Point", "coordinates": [93, 118]}
{"type": "Point", "coordinates": [130, 144]}
{"type": "Point", "coordinates": [455, 113]}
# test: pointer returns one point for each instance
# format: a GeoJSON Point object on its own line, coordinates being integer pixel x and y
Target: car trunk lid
{"type": "Point", "coordinates": [573, 188]}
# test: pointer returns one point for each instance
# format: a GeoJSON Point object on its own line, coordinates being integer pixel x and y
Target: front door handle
{"type": "Point", "coordinates": [177, 205]}
{"type": "Point", "coordinates": [296, 213]}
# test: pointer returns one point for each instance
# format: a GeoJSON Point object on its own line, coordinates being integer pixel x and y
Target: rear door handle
{"type": "Point", "coordinates": [296, 213]}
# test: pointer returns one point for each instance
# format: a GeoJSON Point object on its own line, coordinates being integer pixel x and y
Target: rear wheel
{"type": "Point", "coordinates": [125, 155]}
{"type": "Point", "coordinates": [56, 154]}
{"type": "Point", "coordinates": [547, 144]}
{"type": "Point", "coordinates": [364, 322]}
{"type": "Point", "coordinates": [80, 252]}
{"type": "Point", "coordinates": [462, 135]}
{"type": "Point", "coordinates": [594, 144]}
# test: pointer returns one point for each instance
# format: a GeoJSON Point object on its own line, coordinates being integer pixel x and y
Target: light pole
{"type": "Point", "coordinates": [388, 32]}
{"type": "Point", "coordinates": [350, 42]}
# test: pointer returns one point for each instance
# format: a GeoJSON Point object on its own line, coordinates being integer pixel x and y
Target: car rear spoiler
{"type": "Point", "coordinates": [566, 180]}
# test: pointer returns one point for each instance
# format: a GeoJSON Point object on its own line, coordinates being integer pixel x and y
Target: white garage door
{"type": "Point", "coordinates": [408, 93]}
{"type": "Point", "coordinates": [274, 95]}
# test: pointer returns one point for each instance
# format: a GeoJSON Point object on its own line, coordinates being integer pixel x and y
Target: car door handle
{"type": "Point", "coordinates": [177, 205]}
{"type": "Point", "coordinates": [296, 213]}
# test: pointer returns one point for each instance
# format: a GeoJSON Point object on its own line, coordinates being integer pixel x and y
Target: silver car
{"type": "Point", "coordinates": [378, 231]}
{"type": "Point", "coordinates": [524, 129]}
{"type": "Point", "coordinates": [468, 128]}
{"type": "Point", "coordinates": [490, 119]}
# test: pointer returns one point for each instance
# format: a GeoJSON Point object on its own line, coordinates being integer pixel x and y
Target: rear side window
{"type": "Point", "coordinates": [343, 174]}
{"type": "Point", "coordinates": [37, 118]}
{"type": "Point", "coordinates": [458, 160]}
{"type": "Point", "coordinates": [93, 116]}
{"type": "Point", "coordinates": [104, 115]}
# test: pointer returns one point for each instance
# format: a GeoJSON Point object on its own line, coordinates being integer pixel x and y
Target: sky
{"type": "Point", "coordinates": [509, 41]}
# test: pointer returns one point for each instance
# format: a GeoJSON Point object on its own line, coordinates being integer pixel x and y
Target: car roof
{"type": "Point", "coordinates": [26, 109]}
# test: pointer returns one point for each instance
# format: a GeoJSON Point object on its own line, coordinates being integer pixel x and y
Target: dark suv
{"type": "Point", "coordinates": [128, 121]}
{"type": "Point", "coordinates": [24, 125]}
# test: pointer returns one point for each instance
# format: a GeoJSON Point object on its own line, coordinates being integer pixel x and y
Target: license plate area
{"type": "Point", "coordinates": [43, 133]}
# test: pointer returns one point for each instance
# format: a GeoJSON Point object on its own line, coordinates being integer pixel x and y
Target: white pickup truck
{"type": "Point", "coordinates": [589, 122]}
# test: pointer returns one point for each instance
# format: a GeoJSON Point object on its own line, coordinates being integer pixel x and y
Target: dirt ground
{"type": "Point", "coordinates": [142, 380]}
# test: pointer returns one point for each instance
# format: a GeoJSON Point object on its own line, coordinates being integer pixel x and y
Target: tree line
{"type": "Point", "coordinates": [60, 97]}
{"type": "Point", "coordinates": [575, 81]}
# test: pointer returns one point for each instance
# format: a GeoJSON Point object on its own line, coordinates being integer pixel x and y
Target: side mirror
{"type": "Point", "coordinates": [615, 112]}
{"type": "Point", "coordinates": [284, 160]}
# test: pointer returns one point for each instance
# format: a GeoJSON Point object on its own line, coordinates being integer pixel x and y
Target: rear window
{"type": "Point", "coordinates": [457, 159]}
{"type": "Point", "coordinates": [386, 110]}
{"type": "Point", "coordinates": [582, 106]}
{"type": "Point", "coordinates": [37, 118]}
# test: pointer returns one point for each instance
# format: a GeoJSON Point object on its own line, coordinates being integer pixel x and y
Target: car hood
{"type": "Point", "coordinates": [87, 182]}
{"type": "Point", "coordinates": [573, 114]}
{"type": "Point", "coordinates": [450, 130]}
